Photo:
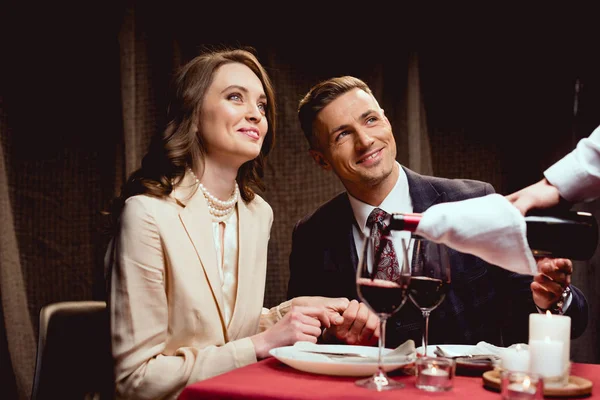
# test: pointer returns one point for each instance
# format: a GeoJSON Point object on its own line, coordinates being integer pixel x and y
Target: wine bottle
{"type": "Point", "coordinates": [556, 234]}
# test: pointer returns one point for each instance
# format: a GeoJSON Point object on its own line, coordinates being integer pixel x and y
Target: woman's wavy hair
{"type": "Point", "coordinates": [179, 146]}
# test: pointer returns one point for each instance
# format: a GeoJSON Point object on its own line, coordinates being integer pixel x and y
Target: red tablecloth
{"type": "Point", "coordinates": [270, 379]}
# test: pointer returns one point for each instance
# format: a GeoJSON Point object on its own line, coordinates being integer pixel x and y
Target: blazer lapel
{"type": "Point", "coordinates": [198, 224]}
{"type": "Point", "coordinates": [422, 192]}
{"type": "Point", "coordinates": [346, 237]}
{"type": "Point", "coordinates": [247, 243]}
{"type": "Point", "coordinates": [344, 250]}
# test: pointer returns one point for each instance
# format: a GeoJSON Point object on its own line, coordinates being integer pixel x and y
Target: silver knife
{"type": "Point", "coordinates": [472, 357]}
{"type": "Point", "coordinates": [335, 354]}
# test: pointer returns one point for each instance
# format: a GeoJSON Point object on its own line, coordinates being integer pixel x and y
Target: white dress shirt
{"type": "Point", "coordinates": [397, 201]}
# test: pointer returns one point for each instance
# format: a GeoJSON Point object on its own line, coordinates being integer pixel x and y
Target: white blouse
{"type": "Point", "coordinates": [226, 245]}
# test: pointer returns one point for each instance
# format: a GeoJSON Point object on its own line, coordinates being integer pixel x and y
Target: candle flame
{"type": "Point", "coordinates": [526, 383]}
{"type": "Point", "coordinates": [548, 314]}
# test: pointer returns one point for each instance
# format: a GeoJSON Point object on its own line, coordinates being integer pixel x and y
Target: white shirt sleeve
{"type": "Point", "coordinates": [577, 175]}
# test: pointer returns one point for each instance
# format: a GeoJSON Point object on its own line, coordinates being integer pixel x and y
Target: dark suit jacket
{"type": "Point", "coordinates": [484, 302]}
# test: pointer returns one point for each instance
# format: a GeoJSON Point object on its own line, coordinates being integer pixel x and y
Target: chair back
{"type": "Point", "coordinates": [73, 354]}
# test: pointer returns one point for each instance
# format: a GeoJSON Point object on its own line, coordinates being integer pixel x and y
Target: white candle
{"type": "Point", "coordinates": [520, 390]}
{"type": "Point", "coordinates": [434, 377]}
{"type": "Point", "coordinates": [433, 371]}
{"type": "Point", "coordinates": [555, 327]}
{"type": "Point", "coordinates": [547, 357]}
{"type": "Point", "coordinates": [434, 374]}
{"type": "Point", "coordinates": [515, 359]}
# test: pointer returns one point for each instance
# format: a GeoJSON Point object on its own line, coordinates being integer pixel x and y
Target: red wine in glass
{"type": "Point", "coordinates": [383, 297]}
{"type": "Point", "coordinates": [427, 293]}
{"type": "Point", "coordinates": [430, 276]}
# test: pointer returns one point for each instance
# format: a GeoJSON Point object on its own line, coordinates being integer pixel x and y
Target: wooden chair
{"type": "Point", "coordinates": [73, 352]}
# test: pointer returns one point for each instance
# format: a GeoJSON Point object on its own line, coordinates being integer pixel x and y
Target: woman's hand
{"type": "Point", "coordinates": [301, 323]}
{"type": "Point", "coordinates": [334, 306]}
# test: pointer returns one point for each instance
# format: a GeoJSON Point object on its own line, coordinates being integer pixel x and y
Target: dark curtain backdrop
{"type": "Point", "coordinates": [83, 89]}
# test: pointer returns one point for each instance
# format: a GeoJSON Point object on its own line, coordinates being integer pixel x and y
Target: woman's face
{"type": "Point", "coordinates": [232, 120]}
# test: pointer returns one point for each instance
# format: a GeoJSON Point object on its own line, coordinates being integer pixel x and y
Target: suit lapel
{"type": "Point", "coordinates": [342, 239]}
{"type": "Point", "coordinates": [343, 248]}
{"type": "Point", "coordinates": [422, 192]}
{"type": "Point", "coordinates": [198, 224]}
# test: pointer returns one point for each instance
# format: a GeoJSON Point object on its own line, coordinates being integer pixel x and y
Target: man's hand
{"type": "Point", "coordinates": [554, 277]}
{"type": "Point", "coordinates": [539, 195]}
{"type": "Point", "coordinates": [334, 306]}
{"type": "Point", "coordinates": [360, 326]}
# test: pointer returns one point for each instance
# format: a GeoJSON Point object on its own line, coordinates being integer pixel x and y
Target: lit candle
{"type": "Point", "coordinates": [520, 390]}
{"type": "Point", "coordinates": [433, 377]}
{"type": "Point", "coordinates": [433, 371]}
{"type": "Point", "coordinates": [555, 327]}
{"type": "Point", "coordinates": [434, 374]}
{"type": "Point", "coordinates": [515, 359]}
{"type": "Point", "coordinates": [547, 357]}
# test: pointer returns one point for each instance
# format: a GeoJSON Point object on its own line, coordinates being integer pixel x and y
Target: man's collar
{"type": "Point", "coordinates": [398, 200]}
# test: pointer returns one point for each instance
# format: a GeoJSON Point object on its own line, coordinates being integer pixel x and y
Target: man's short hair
{"type": "Point", "coordinates": [319, 96]}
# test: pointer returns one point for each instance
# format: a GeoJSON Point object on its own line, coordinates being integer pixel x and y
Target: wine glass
{"type": "Point", "coordinates": [430, 277]}
{"type": "Point", "coordinates": [384, 297]}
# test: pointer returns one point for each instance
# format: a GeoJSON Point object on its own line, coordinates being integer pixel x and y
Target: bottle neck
{"type": "Point", "coordinates": [404, 221]}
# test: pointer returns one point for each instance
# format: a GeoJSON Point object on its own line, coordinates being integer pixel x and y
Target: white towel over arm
{"type": "Point", "coordinates": [489, 227]}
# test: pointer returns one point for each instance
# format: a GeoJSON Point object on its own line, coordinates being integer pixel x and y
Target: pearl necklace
{"type": "Point", "coordinates": [220, 210]}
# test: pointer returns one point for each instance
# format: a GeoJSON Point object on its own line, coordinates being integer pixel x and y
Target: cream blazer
{"type": "Point", "coordinates": [166, 304]}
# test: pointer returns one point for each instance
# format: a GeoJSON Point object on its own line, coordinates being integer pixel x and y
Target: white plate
{"type": "Point", "coordinates": [322, 364]}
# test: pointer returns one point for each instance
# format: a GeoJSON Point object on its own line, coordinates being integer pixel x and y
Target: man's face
{"type": "Point", "coordinates": [355, 140]}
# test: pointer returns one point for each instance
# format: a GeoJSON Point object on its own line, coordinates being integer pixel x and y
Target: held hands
{"type": "Point", "coordinates": [539, 195]}
{"type": "Point", "coordinates": [548, 285]}
{"type": "Point", "coordinates": [360, 326]}
{"type": "Point", "coordinates": [334, 307]}
{"type": "Point", "coordinates": [302, 322]}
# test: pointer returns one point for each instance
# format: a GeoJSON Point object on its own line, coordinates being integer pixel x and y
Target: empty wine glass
{"type": "Point", "coordinates": [384, 296]}
{"type": "Point", "coordinates": [430, 276]}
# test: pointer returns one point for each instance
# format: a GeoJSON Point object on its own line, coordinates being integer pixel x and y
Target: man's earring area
{"type": "Point", "coordinates": [320, 160]}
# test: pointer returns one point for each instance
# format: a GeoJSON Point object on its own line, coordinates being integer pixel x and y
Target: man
{"type": "Point", "coordinates": [350, 135]}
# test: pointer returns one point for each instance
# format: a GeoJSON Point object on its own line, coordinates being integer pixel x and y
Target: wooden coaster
{"type": "Point", "coordinates": [577, 385]}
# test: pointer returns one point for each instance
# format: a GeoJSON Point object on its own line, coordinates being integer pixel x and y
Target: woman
{"type": "Point", "coordinates": [189, 259]}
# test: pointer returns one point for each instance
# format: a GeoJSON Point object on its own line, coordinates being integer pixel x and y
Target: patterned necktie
{"type": "Point", "coordinates": [385, 255]}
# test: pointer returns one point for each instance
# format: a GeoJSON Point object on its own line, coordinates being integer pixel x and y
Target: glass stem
{"type": "Point", "coordinates": [382, 321]}
{"type": "Point", "coordinates": [426, 332]}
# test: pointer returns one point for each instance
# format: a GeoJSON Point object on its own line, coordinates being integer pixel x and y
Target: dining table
{"type": "Point", "coordinates": [272, 379]}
